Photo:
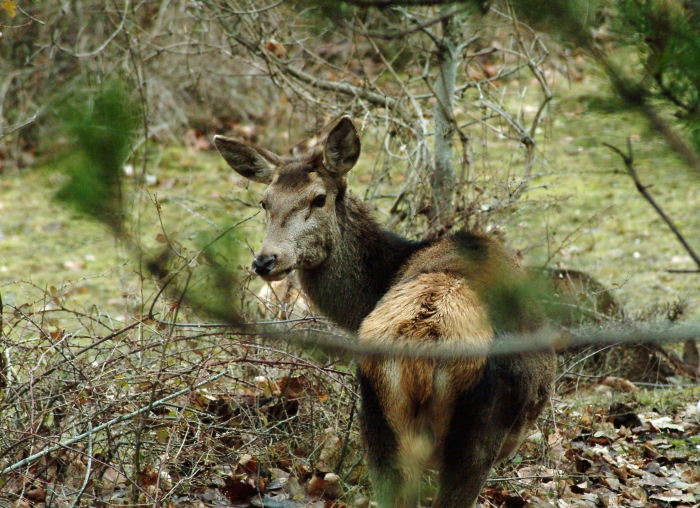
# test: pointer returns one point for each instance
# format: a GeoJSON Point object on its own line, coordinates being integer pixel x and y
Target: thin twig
{"type": "Point", "coordinates": [543, 339]}
{"type": "Point", "coordinates": [108, 424]}
{"type": "Point", "coordinates": [225, 8]}
{"type": "Point", "coordinates": [87, 348]}
{"type": "Point", "coordinates": [346, 440]}
{"type": "Point", "coordinates": [342, 87]}
{"type": "Point", "coordinates": [88, 469]}
{"type": "Point", "coordinates": [109, 39]}
{"type": "Point", "coordinates": [404, 88]}
{"type": "Point", "coordinates": [393, 3]}
{"type": "Point", "coordinates": [418, 27]}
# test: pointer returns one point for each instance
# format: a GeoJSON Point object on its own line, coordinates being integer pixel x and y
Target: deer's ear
{"type": "Point", "coordinates": [342, 148]}
{"type": "Point", "coordinates": [251, 162]}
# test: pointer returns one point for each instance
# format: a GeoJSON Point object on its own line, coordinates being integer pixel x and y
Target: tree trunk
{"type": "Point", "coordinates": [443, 178]}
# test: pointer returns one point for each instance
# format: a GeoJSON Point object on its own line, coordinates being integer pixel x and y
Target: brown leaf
{"type": "Point", "coordinates": [649, 451]}
{"type": "Point", "coordinates": [653, 481]}
{"type": "Point", "coordinates": [36, 494]}
{"type": "Point", "coordinates": [580, 488]}
{"type": "Point", "coordinates": [583, 465]}
{"type": "Point", "coordinates": [148, 477]}
{"type": "Point", "coordinates": [326, 486]}
{"type": "Point", "coordinates": [276, 48]}
{"type": "Point", "coordinates": [670, 496]}
{"type": "Point", "coordinates": [666, 422]}
{"type": "Point", "coordinates": [504, 498]}
{"type": "Point", "coordinates": [619, 384]}
{"type": "Point", "coordinates": [611, 482]}
{"type": "Point", "coordinates": [556, 445]}
{"type": "Point", "coordinates": [635, 471]}
{"type": "Point", "coordinates": [620, 472]}
{"type": "Point", "coordinates": [236, 491]}
{"type": "Point", "coordinates": [294, 387]}
{"type": "Point", "coordinates": [247, 464]}
{"type": "Point", "coordinates": [331, 445]}
{"type": "Point", "coordinates": [112, 479]}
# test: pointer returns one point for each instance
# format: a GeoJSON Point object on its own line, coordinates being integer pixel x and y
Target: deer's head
{"type": "Point", "coordinates": [300, 200]}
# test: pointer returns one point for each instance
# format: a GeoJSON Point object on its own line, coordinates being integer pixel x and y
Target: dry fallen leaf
{"type": "Point", "coordinates": [275, 48]}
{"type": "Point", "coordinates": [326, 487]}
{"type": "Point", "coordinates": [666, 423]}
{"type": "Point", "coordinates": [619, 383]}
{"type": "Point", "coordinates": [10, 7]}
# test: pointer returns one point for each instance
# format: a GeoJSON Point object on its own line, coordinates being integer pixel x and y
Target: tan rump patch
{"type": "Point", "coordinates": [431, 308]}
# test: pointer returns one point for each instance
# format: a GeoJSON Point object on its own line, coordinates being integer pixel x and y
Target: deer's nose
{"type": "Point", "coordinates": [263, 265]}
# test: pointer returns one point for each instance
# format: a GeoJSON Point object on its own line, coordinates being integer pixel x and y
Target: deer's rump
{"type": "Point", "coordinates": [426, 403]}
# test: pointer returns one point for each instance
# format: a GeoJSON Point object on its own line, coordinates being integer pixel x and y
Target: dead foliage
{"type": "Point", "coordinates": [173, 412]}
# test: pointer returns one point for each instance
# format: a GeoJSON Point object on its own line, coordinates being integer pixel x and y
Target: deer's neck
{"type": "Point", "coordinates": [363, 261]}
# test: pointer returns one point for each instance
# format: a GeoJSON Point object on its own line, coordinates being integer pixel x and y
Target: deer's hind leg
{"type": "Point", "coordinates": [484, 420]}
{"type": "Point", "coordinates": [470, 447]}
{"type": "Point", "coordinates": [381, 446]}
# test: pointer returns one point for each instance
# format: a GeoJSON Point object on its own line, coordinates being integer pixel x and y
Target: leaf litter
{"type": "Point", "coordinates": [620, 454]}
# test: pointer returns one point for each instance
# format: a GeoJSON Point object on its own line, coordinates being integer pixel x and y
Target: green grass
{"type": "Point", "coordinates": [604, 226]}
{"type": "Point", "coordinates": [45, 244]}
{"type": "Point", "coordinates": [584, 213]}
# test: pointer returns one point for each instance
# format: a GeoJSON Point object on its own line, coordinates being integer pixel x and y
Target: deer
{"type": "Point", "coordinates": [458, 416]}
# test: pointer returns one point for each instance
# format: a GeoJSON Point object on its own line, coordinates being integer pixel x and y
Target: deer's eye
{"type": "Point", "coordinates": [319, 201]}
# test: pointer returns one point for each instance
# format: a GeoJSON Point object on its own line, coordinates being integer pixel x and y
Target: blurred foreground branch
{"type": "Point", "coordinates": [503, 344]}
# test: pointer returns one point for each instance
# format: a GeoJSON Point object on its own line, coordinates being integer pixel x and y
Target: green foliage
{"type": "Point", "coordinates": [337, 12]}
{"type": "Point", "coordinates": [518, 304]}
{"type": "Point", "coordinates": [102, 130]}
{"type": "Point", "coordinates": [217, 290]}
{"type": "Point", "coordinates": [667, 37]}
{"type": "Point", "coordinates": [568, 18]}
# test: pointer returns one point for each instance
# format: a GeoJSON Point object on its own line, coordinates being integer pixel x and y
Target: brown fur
{"type": "Point", "coordinates": [459, 416]}
{"type": "Point", "coordinates": [428, 308]}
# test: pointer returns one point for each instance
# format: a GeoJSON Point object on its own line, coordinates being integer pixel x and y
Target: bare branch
{"type": "Point", "coordinates": [225, 8]}
{"type": "Point", "coordinates": [107, 41]}
{"type": "Point", "coordinates": [110, 423]}
{"type": "Point", "coordinates": [394, 3]}
{"type": "Point", "coordinates": [628, 159]}
{"type": "Point", "coordinates": [418, 28]}
{"type": "Point", "coordinates": [544, 339]}
{"type": "Point", "coordinates": [344, 88]}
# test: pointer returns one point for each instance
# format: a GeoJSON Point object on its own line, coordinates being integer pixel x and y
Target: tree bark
{"type": "Point", "coordinates": [443, 178]}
